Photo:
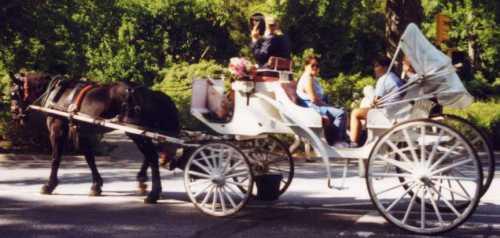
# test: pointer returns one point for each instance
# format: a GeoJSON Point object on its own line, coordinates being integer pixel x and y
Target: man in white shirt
{"type": "Point", "coordinates": [387, 83]}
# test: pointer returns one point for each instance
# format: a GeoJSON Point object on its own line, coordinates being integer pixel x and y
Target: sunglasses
{"type": "Point", "coordinates": [314, 66]}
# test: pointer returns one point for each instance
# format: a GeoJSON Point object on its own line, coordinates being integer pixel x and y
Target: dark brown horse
{"type": "Point", "coordinates": [124, 102]}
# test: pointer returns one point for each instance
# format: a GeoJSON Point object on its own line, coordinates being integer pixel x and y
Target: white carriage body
{"type": "Point", "coordinates": [415, 155]}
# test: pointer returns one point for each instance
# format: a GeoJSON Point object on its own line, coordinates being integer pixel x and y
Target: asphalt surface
{"type": "Point", "coordinates": [307, 209]}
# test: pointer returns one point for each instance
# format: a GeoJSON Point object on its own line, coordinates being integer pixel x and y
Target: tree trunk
{"type": "Point", "coordinates": [398, 14]}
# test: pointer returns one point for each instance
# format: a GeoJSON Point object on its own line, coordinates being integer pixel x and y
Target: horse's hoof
{"type": "Point", "coordinates": [143, 188]}
{"type": "Point", "coordinates": [151, 199]}
{"type": "Point", "coordinates": [95, 192]}
{"type": "Point", "coordinates": [47, 189]}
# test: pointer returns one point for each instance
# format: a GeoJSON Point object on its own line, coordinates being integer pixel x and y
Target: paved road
{"type": "Point", "coordinates": [308, 209]}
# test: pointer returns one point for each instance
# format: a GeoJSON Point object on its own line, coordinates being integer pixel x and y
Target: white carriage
{"type": "Point", "coordinates": [425, 173]}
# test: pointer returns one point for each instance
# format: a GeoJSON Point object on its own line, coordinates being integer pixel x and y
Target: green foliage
{"type": "Point", "coordinates": [484, 114]}
{"type": "Point", "coordinates": [474, 29]}
{"type": "Point", "coordinates": [345, 90]}
{"type": "Point", "coordinates": [166, 43]}
{"type": "Point", "coordinates": [346, 33]}
{"type": "Point", "coordinates": [177, 81]}
{"type": "Point", "coordinates": [114, 40]}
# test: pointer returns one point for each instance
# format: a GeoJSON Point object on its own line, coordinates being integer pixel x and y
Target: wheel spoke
{"type": "Point", "coordinates": [205, 158]}
{"type": "Point", "coordinates": [436, 209]}
{"type": "Point", "coordinates": [228, 196]}
{"type": "Point", "coordinates": [207, 196]}
{"type": "Point", "coordinates": [199, 174]}
{"type": "Point", "coordinates": [411, 145]}
{"type": "Point", "coordinates": [453, 191]}
{"type": "Point", "coordinates": [391, 175]}
{"type": "Point", "coordinates": [396, 163]}
{"type": "Point", "coordinates": [238, 174]}
{"type": "Point", "coordinates": [399, 152]}
{"type": "Point", "coordinates": [451, 166]}
{"type": "Point", "coordinates": [477, 139]}
{"type": "Point", "coordinates": [238, 163]}
{"type": "Point", "coordinates": [214, 199]}
{"type": "Point", "coordinates": [394, 187]}
{"type": "Point", "coordinates": [410, 206]}
{"type": "Point", "coordinates": [401, 197]}
{"type": "Point", "coordinates": [462, 187]}
{"type": "Point", "coordinates": [199, 182]}
{"type": "Point", "coordinates": [422, 146]}
{"type": "Point", "coordinates": [434, 148]}
{"type": "Point", "coordinates": [233, 191]}
{"type": "Point", "coordinates": [279, 170]}
{"type": "Point", "coordinates": [203, 190]}
{"type": "Point", "coordinates": [444, 156]}
{"type": "Point", "coordinates": [236, 183]}
{"type": "Point", "coordinates": [452, 208]}
{"type": "Point", "coordinates": [422, 209]}
{"type": "Point", "coordinates": [228, 161]}
{"type": "Point", "coordinates": [202, 167]}
{"type": "Point", "coordinates": [222, 200]}
{"type": "Point", "coordinates": [453, 178]}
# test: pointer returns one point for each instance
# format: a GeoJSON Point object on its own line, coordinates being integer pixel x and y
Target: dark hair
{"type": "Point", "coordinates": [260, 20]}
{"type": "Point", "coordinates": [382, 61]}
{"type": "Point", "coordinates": [310, 58]}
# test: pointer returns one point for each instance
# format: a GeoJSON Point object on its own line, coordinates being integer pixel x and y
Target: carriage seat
{"type": "Point", "coordinates": [285, 94]}
{"type": "Point", "coordinates": [208, 99]}
{"type": "Point", "coordinates": [276, 68]}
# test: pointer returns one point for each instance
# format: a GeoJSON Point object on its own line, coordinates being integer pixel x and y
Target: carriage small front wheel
{"type": "Point", "coordinates": [212, 178]}
{"type": "Point", "coordinates": [430, 185]}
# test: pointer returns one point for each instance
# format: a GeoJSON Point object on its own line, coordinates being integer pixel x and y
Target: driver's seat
{"type": "Point", "coordinates": [277, 68]}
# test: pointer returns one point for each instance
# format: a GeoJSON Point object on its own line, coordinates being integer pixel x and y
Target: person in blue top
{"type": "Point", "coordinates": [311, 94]}
{"type": "Point", "coordinates": [387, 82]}
{"type": "Point", "coordinates": [272, 43]}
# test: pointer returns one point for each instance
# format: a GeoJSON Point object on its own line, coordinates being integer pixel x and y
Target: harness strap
{"type": "Point", "coordinates": [26, 86]}
{"type": "Point", "coordinates": [75, 106]}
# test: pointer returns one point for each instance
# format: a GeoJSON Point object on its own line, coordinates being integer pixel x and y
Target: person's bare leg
{"type": "Point", "coordinates": [357, 115]}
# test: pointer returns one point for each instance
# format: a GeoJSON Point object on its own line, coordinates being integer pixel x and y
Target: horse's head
{"type": "Point", "coordinates": [25, 89]}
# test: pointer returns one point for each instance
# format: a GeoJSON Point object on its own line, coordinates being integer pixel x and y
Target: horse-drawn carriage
{"type": "Point", "coordinates": [425, 172]}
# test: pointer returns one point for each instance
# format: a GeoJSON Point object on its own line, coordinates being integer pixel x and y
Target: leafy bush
{"type": "Point", "coordinates": [177, 82]}
{"type": "Point", "coordinates": [484, 114]}
{"type": "Point", "coordinates": [345, 90]}
{"type": "Point", "coordinates": [481, 88]}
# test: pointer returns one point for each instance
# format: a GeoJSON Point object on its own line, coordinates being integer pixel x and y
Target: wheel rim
{"type": "Point", "coordinates": [271, 156]}
{"type": "Point", "coordinates": [478, 141]}
{"type": "Point", "coordinates": [437, 169]}
{"type": "Point", "coordinates": [212, 176]}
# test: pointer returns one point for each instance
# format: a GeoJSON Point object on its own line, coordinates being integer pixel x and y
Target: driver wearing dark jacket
{"type": "Point", "coordinates": [273, 43]}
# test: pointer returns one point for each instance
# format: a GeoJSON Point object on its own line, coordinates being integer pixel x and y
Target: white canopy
{"type": "Point", "coordinates": [435, 69]}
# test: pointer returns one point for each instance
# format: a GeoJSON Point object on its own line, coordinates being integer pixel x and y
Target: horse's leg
{"type": "Point", "coordinates": [142, 177]}
{"type": "Point", "coordinates": [88, 152]}
{"type": "Point", "coordinates": [147, 148]}
{"type": "Point", "coordinates": [57, 134]}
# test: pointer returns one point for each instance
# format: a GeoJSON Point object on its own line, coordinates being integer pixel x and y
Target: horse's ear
{"type": "Point", "coordinates": [15, 78]}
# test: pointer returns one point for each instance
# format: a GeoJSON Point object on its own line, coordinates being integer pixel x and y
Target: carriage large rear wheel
{"type": "Point", "coordinates": [415, 185]}
{"type": "Point", "coordinates": [212, 178]}
{"type": "Point", "coordinates": [478, 140]}
{"type": "Point", "coordinates": [269, 155]}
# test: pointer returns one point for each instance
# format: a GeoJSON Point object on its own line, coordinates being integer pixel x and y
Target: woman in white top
{"type": "Point", "coordinates": [312, 95]}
